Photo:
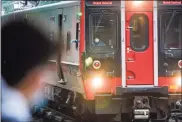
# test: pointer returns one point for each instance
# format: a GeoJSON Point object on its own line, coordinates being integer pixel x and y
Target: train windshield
{"type": "Point", "coordinates": [103, 32]}
{"type": "Point", "coordinates": [171, 30]}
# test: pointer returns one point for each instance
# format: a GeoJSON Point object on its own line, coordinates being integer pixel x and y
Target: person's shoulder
{"type": "Point", "coordinates": [9, 119]}
{"type": "Point", "coordinates": [13, 100]}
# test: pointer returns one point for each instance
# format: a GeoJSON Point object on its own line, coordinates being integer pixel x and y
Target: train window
{"type": "Point", "coordinates": [139, 34]}
{"type": "Point", "coordinates": [60, 28]}
{"type": "Point", "coordinates": [171, 30]}
{"type": "Point", "coordinates": [68, 40]}
{"type": "Point", "coordinates": [60, 17]}
{"type": "Point", "coordinates": [103, 31]}
{"type": "Point", "coordinates": [77, 33]}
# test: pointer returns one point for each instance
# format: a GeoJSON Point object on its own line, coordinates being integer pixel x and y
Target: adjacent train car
{"type": "Point", "coordinates": [121, 60]}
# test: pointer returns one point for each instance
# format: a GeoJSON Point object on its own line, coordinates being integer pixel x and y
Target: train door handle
{"type": "Point", "coordinates": [129, 27]}
{"type": "Point", "coordinates": [130, 77]}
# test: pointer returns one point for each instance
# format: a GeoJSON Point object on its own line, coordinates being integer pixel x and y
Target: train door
{"type": "Point", "coordinates": [139, 48]}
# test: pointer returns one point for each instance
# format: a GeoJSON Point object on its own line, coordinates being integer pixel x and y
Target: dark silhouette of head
{"type": "Point", "coordinates": [24, 47]}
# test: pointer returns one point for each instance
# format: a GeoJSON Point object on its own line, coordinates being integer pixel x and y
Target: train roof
{"type": "Point", "coordinates": [58, 5]}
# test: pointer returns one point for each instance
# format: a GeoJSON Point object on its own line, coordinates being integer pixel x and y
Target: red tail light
{"type": "Point", "coordinates": [180, 63]}
{"type": "Point", "coordinates": [96, 64]}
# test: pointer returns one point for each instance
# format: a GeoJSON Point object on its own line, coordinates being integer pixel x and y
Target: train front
{"type": "Point", "coordinates": [102, 57]}
{"type": "Point", "coordinates": [120, 58]}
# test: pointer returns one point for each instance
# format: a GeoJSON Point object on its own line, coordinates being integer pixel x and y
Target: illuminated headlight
{"type": "Point", "coordinates": [178, 81]}
{"type": "Point", "coordinates": [137, 3]}
{"type": "Point", "coordinates": [97, 82]}
{"type": "Point", "coordinates": [88, 61]}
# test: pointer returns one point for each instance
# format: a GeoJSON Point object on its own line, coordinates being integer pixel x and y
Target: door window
{"type": "Point", "coordinates": [139, 34]}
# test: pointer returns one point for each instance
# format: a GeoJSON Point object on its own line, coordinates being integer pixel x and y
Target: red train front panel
{"type": "Point", "coordinates": [121, 46]}
{"type": "Point", "coordinates": [102, 53]}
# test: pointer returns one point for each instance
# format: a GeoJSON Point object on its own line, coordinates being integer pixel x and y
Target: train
{"type": "Point", "coordinates": [121, 60]}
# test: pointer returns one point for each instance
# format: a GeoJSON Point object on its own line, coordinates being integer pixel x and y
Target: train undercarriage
{"type": "Point", "coordinates": [126, 107]}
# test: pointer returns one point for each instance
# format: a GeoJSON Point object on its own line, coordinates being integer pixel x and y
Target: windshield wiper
{"type": "Point", "coordinates": [170, 20]}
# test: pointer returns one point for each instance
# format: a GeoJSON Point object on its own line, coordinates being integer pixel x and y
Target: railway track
{"type": "Point", "coordinates": [46, 114]}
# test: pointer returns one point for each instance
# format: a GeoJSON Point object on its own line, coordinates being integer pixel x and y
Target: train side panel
{"type": "Point", "coordinates": [59, 17]}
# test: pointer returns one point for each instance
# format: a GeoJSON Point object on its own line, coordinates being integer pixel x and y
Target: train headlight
{"type": "Point", "coordinates": [137, 3]}
{"type": "Point", "coordinates": [178, 81]}
{"type": "Point", "coordinates": [97, 82]}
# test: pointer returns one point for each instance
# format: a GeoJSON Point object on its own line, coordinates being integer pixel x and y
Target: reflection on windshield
{"type": "Point", "coordinates": [104, 28]}
{"type": "Point", "coordinates": [171, 30]}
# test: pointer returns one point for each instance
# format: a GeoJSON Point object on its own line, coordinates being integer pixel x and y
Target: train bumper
{"type": "Point", "coordinates": [142, 91]}
{"type": "Point", "coordinates": [111, 104]}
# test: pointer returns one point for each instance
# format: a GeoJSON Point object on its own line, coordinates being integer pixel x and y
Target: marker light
{"type": "Point", "coordinates": [79, 13]}
{"type": "Point", "coordinates": [97, 82]}
{"type": "Point", "coordinates": [180, 63]}
{"type": "Point", "coordinates": [88, 61]}
{"type": "Point", "coordinates": [96, 64]}
{"type": "Point", "coordinates": [137, 3]}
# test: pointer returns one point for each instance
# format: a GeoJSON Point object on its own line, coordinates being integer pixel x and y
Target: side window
{"type": "Point", "coordinates": [60, 18]}
{"type": "Point", "coordinates": [68, 40]}
{"type": "Point", "coordinates": [60, 27]}
{"type": "Point", "coordinates": [77, 33]}
{"type": "Point", "coordinates": [139, 34]}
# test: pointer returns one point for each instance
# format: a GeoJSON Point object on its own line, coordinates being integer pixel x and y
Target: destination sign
{"type": "Point", "coordinates": [169, 3]}
{"type": "Point", "coordinates": [103, 3]}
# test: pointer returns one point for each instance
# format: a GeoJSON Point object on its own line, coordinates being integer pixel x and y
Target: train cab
{"type": "Point", "coordinates": [102, 45]}
{"type": "Point", "coordinates": [121, 59]}
{"type": "Point", "coordinates": [132, 50]}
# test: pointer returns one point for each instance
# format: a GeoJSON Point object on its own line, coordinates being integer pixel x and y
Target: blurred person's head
{"type": "Point", "coordinates": [25, 51]}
